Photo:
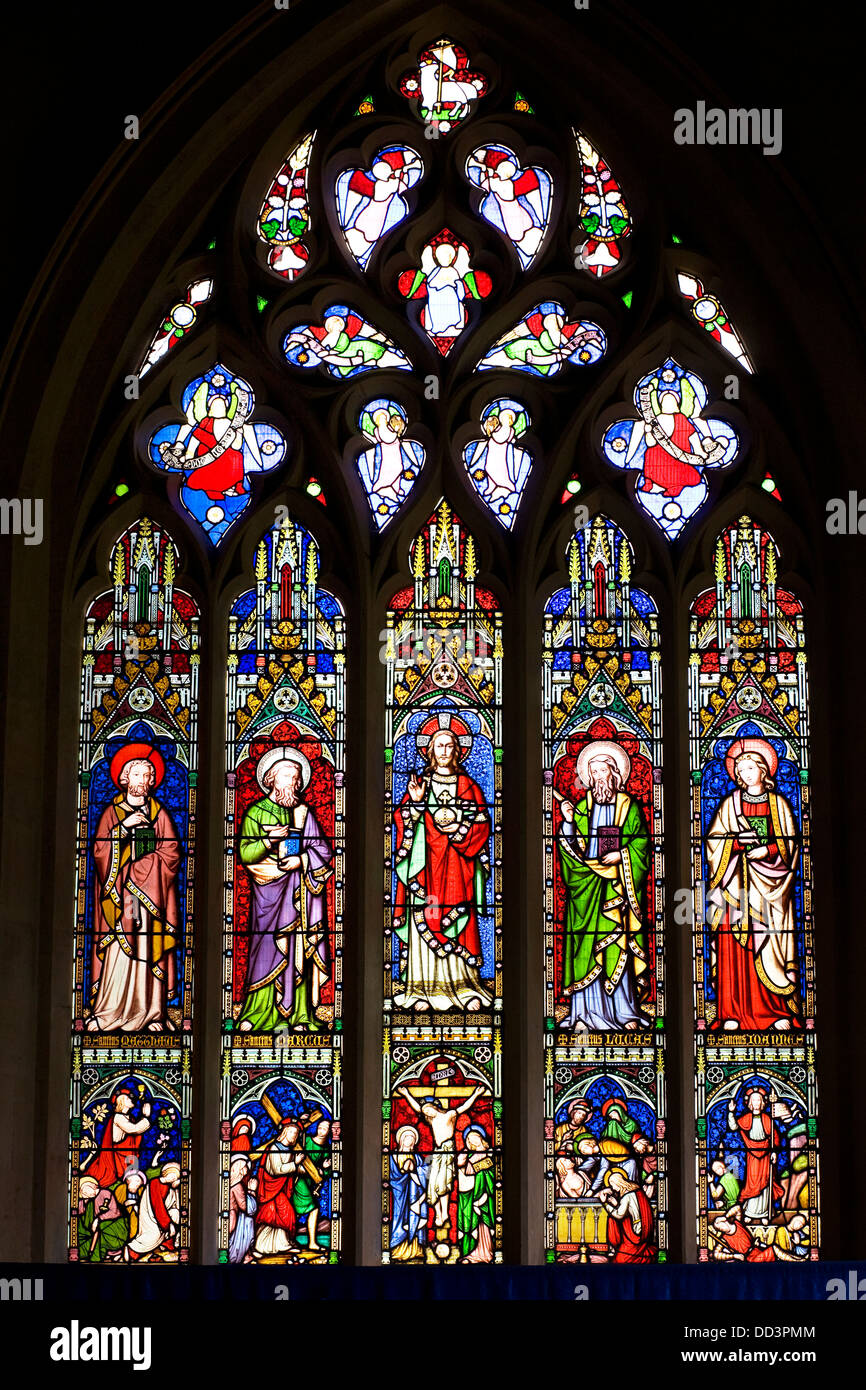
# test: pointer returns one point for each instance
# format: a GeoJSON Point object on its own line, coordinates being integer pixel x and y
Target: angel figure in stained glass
{"type": "Point", "coordinates": [344, 345]}
{"type": "Point", "coordinates": [444, 283]}
{"type": "Point", "coordinates": [370, 202]}
{"type": "Point", "coordinates": [390, 468]}
{"type": "Point", "coordinates": [545, 341]}
{"type": "Point", "coordinates": [672, 444]}
{"type": "Point", "coordinates": [209, 450]}
{"type": "Point", "coordinates": [498, 467]}
{"type": "Point", "coordinates": [516, 201]}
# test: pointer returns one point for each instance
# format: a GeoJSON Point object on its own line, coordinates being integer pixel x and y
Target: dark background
{"type": "Point", "coordinates": [72, 73]}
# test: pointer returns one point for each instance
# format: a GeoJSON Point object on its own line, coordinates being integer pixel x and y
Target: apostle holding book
{"type": "Point", "coordinates": [289, 861]}
{"type": "Point", "coordinates": [604, 856]}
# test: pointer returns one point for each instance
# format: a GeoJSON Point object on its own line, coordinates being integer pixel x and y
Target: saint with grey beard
{"type": "Point", "coordinates": [604, 855]}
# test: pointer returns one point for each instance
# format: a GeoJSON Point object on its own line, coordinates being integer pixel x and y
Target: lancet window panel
{"type": "Point", "coordinates": [442, 1040]}
{"type": "Point", "coordinates": [751, 909]}
{"type": "Point", "coordinates": [282, 1061]}
{"type": "Point", "coordinates": [131, 1097]}
{"type": "Point", "coordinates": [605, 1141]}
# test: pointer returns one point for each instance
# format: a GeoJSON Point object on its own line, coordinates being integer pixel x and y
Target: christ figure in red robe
{"type": "Point", "coordinates": [276, 1219]}
{"type": "Point", "coordinates": [762, 1143]}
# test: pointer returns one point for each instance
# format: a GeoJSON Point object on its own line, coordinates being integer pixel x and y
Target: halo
{"type": "Point", "coordinates": [135, 753]}
{"type": "Point", "coordinates": [279, 755]}
{"type": "Point", "coordinates": [611, 1101]}
{"type": "Point", "coordinates": [603, 748]}
{"type": "Point", "coordinates": [751, 745]}
{"type": "Point", "coordinates": [406, 1129]}
{"type": "Point", "coordinates": [447, 722]}
{"type": "Point", "coordinates": [614, 1168]}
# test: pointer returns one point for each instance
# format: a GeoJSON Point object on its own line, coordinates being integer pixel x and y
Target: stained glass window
{"type": "Point", "coordinates": [445, 285]}
{"type": "Point", "coordinates": [757, 1146]}
{"type": "Point", "coordinates": [178, 322]}
{"type": "Point", "coordinates": [498, 465]}
{"type": "Point", "coordinates": [218, 450]}
{"type": "Point", "coordinates": [343, 345]}
{"type": "Point", "coordinates": [281, 1180]}
{"type": "Point", "coordinates": [605, 220]}
{"type": "Point", "coordinates": [284, 218]}
{"type": "Point", "coordinates": [371, 202]}
{"type": "Point", "coordinates": [545, 341]}
{"type": "Point", "coordinates": [389, 468]}
{"type": "Point", "coordinates": [671, 445]}
{"type": "Point", "coordinates": [604, 1082]}
{"type": "Point", "coordinates": [423, 251]}
{"type": "Point", "coordinates": [442, 1111]}
{"type": "Point", "coordinates": [708, 311]}
{"type": "Point", "coordinates": [132, 1013]}
{"type": "Point", "coordinates": [443, 88]}
{"type": "Point", "coordinates": [515, 200]}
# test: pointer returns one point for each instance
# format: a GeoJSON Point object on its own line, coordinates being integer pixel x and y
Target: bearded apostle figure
{"type": "Point", "coordinates": [604, 855]}
{"type": "Point", "coordinates": [442, 830]}
{"type": "Point", "coordinates": [752, 856]}
{"type": "Point", "coordinates": [289, 861]}
{"type": "Point", "coordinates": [138, 922]}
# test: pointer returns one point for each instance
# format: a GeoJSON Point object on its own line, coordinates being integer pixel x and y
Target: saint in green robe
{"type": "Point", "coordinates": [305, 1193]}
{"type": "Point", "coordinates": [475, 1208]}
{"type": "Point", "coordinates": [604, 929]}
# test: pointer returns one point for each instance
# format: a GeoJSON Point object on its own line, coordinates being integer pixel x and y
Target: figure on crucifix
{"type": "Point", "coordinates": [439, 1099]}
